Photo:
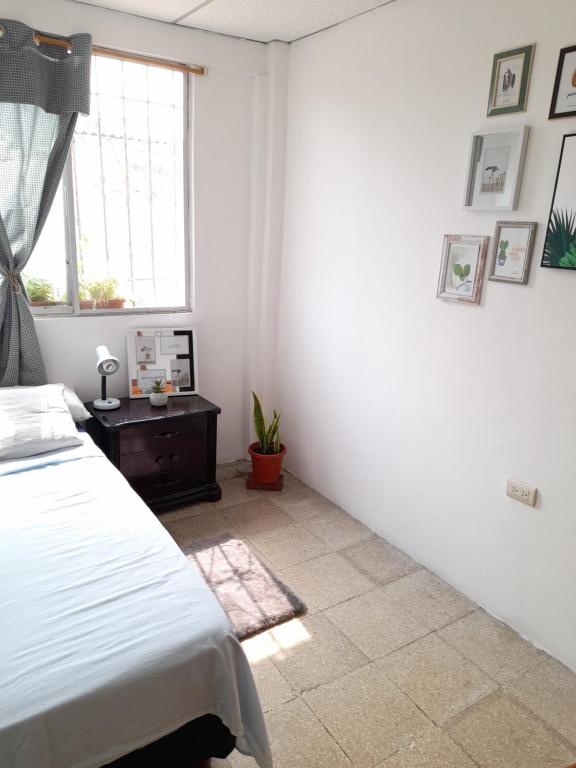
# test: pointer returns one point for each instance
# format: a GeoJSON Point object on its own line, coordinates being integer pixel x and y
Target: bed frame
{"type": "Point", "coordinates": [191, 745]}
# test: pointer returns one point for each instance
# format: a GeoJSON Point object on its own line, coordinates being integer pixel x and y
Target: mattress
{"type": "Point", "coordinates": [109, 638]}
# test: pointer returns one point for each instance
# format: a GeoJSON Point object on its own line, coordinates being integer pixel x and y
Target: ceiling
{"type": "Point", "coordinates": [262, 20]}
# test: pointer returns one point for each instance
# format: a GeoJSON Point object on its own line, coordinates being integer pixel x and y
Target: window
{"type": "Point", "coordinates": [116, 235]}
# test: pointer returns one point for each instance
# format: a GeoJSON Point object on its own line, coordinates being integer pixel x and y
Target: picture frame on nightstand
{"type": "Point", "coordinates": [168, 355]}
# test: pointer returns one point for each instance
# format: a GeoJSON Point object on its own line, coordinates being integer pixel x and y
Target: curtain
{"type": "Point", "coordinates": [42, 90]}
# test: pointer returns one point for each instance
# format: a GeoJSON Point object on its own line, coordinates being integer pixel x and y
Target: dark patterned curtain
{"type": "Point", "coordinates": [42, 89]}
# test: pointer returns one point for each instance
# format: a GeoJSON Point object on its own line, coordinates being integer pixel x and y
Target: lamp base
{"type": "Point", "coordinates": [109, 404]}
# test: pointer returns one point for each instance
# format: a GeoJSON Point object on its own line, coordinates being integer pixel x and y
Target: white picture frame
{"type": "Point", "coordinates": [495, 167]}
{"type": "Point", "coordinates": [462, 268]}
{"type": "Point", "coordinates": [166, 354]}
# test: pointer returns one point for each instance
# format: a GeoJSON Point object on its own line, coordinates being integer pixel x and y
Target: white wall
{"type": "Point", "coordinates": [225, 140]}
{"type": "Point", "coordinates": [407, 411]}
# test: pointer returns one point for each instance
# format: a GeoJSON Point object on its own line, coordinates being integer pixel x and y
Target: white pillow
{"type": "Point", "coordinates": [35, 420]}
{"type": "Point", "coordinates": [75, 405]}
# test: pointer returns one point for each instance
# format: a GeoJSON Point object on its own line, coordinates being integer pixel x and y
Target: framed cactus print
{"type": "Point", "coordinates": [462, 269]}
{"type": "Point", "coordinates": [513, 245]}
{"type": "Point", "coordinates": [560, 244]}
{"type": "Point", "coordinates": [510, 79]}
{"type": "Point", "coordinates": [564, 95]}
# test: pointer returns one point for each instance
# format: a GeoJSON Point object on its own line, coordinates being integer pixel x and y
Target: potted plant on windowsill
{"type": "Point", "coordinates": [268, 452]}
{"type": "Point", "coordinates": [158, 397]}
{"type": "Point", "coordinates": [40, 292]}
{"type": "Point", "coordinates": [83, 296]}
{"type": "Point", "coordinates": [104, 294]}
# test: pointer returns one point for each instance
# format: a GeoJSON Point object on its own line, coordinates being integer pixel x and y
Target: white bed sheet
{"type": "Point", "coordinates": [109, 638]}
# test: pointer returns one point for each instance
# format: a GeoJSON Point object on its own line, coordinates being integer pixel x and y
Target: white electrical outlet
{"type": "Point", "coordinates": [521, 491]}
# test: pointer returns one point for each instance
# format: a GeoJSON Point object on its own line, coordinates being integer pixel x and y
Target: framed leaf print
{"type": "Point", "coordinates": [462, 268]}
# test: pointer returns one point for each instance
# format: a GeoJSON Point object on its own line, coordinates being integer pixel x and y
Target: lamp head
{"type": "Point", "coordinates": [107, 364]}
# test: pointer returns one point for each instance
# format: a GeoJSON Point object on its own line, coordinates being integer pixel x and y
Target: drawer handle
{"type": "Point", "coordinates": [166, 435]}
{"type": "Point", "coordinates": [165, 483]}
{"type": "Point", "coordinates": [159, 460]}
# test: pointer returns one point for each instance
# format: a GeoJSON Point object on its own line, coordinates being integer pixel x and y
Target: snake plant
{"type": "Point", "coordinates": [268, 434]}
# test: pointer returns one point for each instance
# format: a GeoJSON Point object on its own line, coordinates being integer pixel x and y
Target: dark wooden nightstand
{"type": "Point", "coordinates": [168, 455]}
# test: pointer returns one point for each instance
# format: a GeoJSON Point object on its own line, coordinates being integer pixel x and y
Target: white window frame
{"type": "Point", "coordinates": [72, 309]}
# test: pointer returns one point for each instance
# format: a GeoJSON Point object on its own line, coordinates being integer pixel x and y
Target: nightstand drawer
{"type": "Point", "coordinates": [156, 436]}
{"type": "Point", "coordinates": [189, 464]}
{"type": "Point", "coordinates": [159, 487]}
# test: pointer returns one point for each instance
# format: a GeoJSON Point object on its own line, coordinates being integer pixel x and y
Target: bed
{"type": "Point", "coordinates": [109, 638]}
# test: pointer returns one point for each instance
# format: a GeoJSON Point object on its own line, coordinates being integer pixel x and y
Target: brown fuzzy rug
{"type": "Point", "coordinates": [251, 595]}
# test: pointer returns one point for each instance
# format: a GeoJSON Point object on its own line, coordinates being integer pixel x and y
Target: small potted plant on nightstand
{"type": "Point", "coordinates": [158, 397]}
{"type": "Point", "coordinates": [267, 453]}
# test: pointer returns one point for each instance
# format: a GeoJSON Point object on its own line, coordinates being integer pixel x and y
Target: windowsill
{"type": "Point", "coordinates": [38, 313]}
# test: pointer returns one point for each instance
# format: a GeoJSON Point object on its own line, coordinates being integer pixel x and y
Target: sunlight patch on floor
{"type": "Point", "coordinates": [274, 642]}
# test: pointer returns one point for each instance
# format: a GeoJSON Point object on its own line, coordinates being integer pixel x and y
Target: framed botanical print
{"type": "Point", "coordinates": [462, 268]}
{"type": "Point", "coordinates": [495, 169]}
{"type": "Point", "coordinates": [510, 80]}
{"type": "Point", "coordinates": [167, 355]}
{"type": "Point", "coordinates": [564, 95]}
{"type": "Point", "coordinates": [560, 244]}
{"type": "Point", "coordinates": [512, 251]}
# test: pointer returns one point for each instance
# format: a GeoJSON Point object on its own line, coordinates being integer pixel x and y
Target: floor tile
{"type": "Point", "coordinates": [367, 715]}
{"type": "Point", "coordinates": [293, 483]}
{"type": "Point", "coordinates": [326, 581]}
{"type": "Point", "coordinates": [236, 760]}
{"type": "Point", "coordinates": [492, 646]}
{"type": "Point", "coordinates": [337, 529]}
{"type": "Point", "coordinates": [276, 641]}
{"type": "Point", "coordinates": [429, 599]}
{"type": "Point", "coordinates": [323, 656]}
{"type": "Point", "coordinates": [228, 471]}
{"type": "Point", "coordinates": [191, 529]}
{"type": "Point", "coordinates": [376, 624]}
{"type": "Point", "coordinates": [498, 734]}
{"type": "Point", "coordinates": [234, 492]}
{"type": "Point", "coordinates": [273, 688]}
{"type": "Point", "coordinates": [191, 510]}
{"type": "Point", "coordinates": [255, 517]}
{"type": "Point", "coordinates": [288, 545]}
{"type": "Point", "coordinates": [379, 560]}
{"type": "Point", "coordinates": [435, 749]}
{"type": "Point", "coordinates": [298, 739]}
{"type": "Point", "coordinates": [549, 690]}
{"type": "Point", "coordinates": [435, 676]}
{"type": "Point", "coordinates": [303, 504]}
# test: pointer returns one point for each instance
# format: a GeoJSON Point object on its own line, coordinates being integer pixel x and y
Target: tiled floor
{"type": "Point", "coordinates": [391, 667]}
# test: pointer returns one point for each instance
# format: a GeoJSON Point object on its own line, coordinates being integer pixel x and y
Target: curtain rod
{"type": "Point", "coordinates": [112, 54]}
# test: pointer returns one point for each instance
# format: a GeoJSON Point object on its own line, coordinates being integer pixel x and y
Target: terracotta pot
{"type": "Point", "coordinates": [111, 304]}
{"type": "Point", "coordinates": [86, 304]}
{"type": "Point", "coordinates": [266, 467]}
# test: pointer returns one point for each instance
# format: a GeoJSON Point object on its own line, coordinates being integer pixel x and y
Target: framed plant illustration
{"type": "Point", "coordinates": [495, 169]}
{"type": "Point", "coordinates": [462, 269]}
{"type": "Point", "coordinates": [510, 79]}
{"type": "Point", "coordinates": [512, 251]}
{"type": "Point", "coordinates": [167, 355]}
{"type": "Point", "coordinates": [560, 244]}
{"type": "Point", "coordinates": [564, 95]}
